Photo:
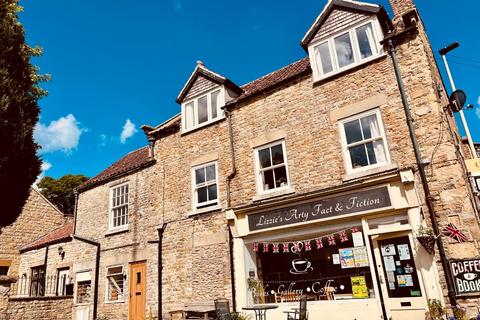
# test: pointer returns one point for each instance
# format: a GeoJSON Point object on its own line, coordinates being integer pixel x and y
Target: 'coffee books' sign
{"type": "Point", "coordinates": [466, 276]}
{"type": "Point", "coordinates": [329, 207]}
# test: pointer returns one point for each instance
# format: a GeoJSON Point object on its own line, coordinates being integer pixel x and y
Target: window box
{"type": "Point", "coordinates": [203, 110]}
{"type": "Point", "coordinates": [364, 144]}
{"type": "Point", "coordinates": [271, 168]}
{"type": "Point", "coordinates": [118, 217]}
{"type": "Point", "coordinates": [346, 49]}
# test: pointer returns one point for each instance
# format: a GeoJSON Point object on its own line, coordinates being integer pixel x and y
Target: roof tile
{"type": "Point", "coordinates": [63, 233]}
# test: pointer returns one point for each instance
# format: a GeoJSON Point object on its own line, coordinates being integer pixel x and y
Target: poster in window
{"type": "Point", "coordinates": [357, 239]}
{"type": "Point", "coordinates": [361, 257]}
{"type": "Point", "coordinates": [336, 258]}
{"type": "Point", "coordinates": [347, 259]}
{"type": "Point", "coordinates": [403, 252]}
{"type": "Point", "coordinates": [389, 263]}
{"type": "Point", "coordinates": [359, 287]}
{"type": "Point", "coordinates": [388, 250]}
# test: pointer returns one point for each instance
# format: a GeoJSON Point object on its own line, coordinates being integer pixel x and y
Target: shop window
{"type": "Point", "coordinates": [62, 281]}
{"type": "Point", "coordinates": [37, 284]}
{"type": "Point", "coordinates": [272, 171]}
{"type": "Point", "coordinates": [84, 291]}
{"type": "Point", "coordinates": [346, 50]}
{"type": "Point", "coordinates": [115, 282]}
{"type": "Point", "coordinates": [329, 265]}
{"type": "Point", "coordinates": [364, 142]}
{"type": "Point", "coordinates": [399, 268]}
{"type": "Point", "coordinates": [205, 185]}
{"type": "Point", "coordinates": [119, 206]}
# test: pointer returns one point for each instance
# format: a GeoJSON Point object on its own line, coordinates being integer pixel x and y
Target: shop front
{"type": "Point", "coordinates": [352, 253]}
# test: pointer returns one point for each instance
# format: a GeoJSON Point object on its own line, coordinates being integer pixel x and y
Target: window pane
{"type": "Point", "coordinates": [264, 157]}
{"type": "Point", "coordinates": [379, 149]}
{"type": "Point", "coordinates": [214, 97]}
{"type": "Point", "coordinates": [370, 127]}
{"type": "Point", "coordinates": [115, 270]}
{"type": "Point", "coordinates": [322, 54]}
{"type": "Point", "coordinates": [200, 175]}
{"type": "Point", "coordinates": [358, 156]}
{"type": "Point", "coordinates": [352, 131]}
{"type": "Point", "coordinates": [371, 153]}
{"type": "Point", "coordinates": [343, 48]}
{"type": "Point", "coordinates": [212, 192]}
{"type": "Point", "coordinates": [201, 194]}
{"type": "Point", "coordinates": [364, 34]}
{"type": "Point", "coordinates": [210, 172]}
{"type": "Point", "coordinates": [277, 154]}
{"type": "Point", "coordinates": [268, 182]}
{"type": "Point", "coordinates": [280, 177]}
{"type": "Point", "coordinates": [189, 115]}
{"type": "Point", "coordinates": [202, 109]}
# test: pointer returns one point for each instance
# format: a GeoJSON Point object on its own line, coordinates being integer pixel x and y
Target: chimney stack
{"type": "Point", "coordinates": [400, 7]}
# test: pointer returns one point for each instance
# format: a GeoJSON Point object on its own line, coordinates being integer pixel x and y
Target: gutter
{"type": "Point", "coordinates": [421, 170]}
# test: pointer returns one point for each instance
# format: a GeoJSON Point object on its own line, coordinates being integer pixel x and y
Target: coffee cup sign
{"type": "Point", "coordinates": [300, 266]}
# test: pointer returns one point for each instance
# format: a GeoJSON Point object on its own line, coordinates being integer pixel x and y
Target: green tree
{"type": "Point", "coordinates": [60, 191]}
{"type": "Point", "coordinates": [19, 94]}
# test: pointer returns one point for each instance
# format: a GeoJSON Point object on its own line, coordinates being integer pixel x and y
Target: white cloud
{"type": "Point", "coordinates": [128, 131]}
{"type": "Point", "coordinates": [60, 135]}
{"type": "Point", "coordinates": [102, 140]}
{"type": "Point", "coordinates": [44, 167]}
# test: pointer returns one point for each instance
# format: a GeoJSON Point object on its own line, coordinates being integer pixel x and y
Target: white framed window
{"type": "Point", "coordinates": [346, 49]}
{"type": "Point", "coordinates": [115, 284]}
{"type": "Point", "coordinates": [118, 206]}
{"type": "Point", "coordinates": [363, 141]}
{"type": "Point", "coordinates": [203, 109]}
{"type": "Point", "coordinates": [205, 185]}
{"type": "Point", "coordinates": [271, 167]}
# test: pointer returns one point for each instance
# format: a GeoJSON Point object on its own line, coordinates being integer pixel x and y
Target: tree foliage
{"type": "Point", "coordinates": [60, 191]}
{"type": "Point", "coordinates": [19, 95]}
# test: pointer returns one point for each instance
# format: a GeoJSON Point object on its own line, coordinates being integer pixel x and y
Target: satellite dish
{"type": "Point", "coordinates": [457, 100]}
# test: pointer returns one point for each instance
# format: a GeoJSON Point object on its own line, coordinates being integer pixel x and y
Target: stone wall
{"type": "Point", "coordinates": [51, 308]}
{"type": "Point", "coordinates": [38, 217]}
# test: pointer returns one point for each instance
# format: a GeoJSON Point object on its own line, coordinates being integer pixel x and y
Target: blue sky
{"type": "Point", "coordinates": [116, 65]}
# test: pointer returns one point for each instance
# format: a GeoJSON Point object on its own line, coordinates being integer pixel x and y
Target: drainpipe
{"type": "Point", "coordinates": [45, 261]}
{"type": "Point", "coordinates": [160, 268]}
{"type": "Point", "coordinates": [421, 171]}
{"type": "Point", "coordinates": [75, 193]}
{"type": "Point", "coordinates": [97, 270]}
{"type": "Point", "coordinates": [233, 170]}
{"type": "Point", "coordinates": [230, 176]}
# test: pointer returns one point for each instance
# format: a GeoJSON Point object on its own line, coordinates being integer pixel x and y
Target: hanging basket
{"type": "Point", "coordinates": [428, 242]}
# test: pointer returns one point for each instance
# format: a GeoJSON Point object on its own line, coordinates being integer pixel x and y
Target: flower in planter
{"type": "Point", "coordinates": [459, 312]}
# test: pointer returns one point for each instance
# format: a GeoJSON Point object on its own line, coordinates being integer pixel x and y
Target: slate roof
{"type": "Point", "coordinates": [61, 234]}
{"type": "Point", "coordinates": [131, 162]}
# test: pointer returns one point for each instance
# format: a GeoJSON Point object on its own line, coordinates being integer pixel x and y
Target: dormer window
{"type": "Point", "coordinates": [345, 49]}
{"type": "Point", "coordinates": [203, 109]}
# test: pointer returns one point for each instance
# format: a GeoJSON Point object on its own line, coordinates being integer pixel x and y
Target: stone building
{"type": "Point", "coordinates": [316, 179]}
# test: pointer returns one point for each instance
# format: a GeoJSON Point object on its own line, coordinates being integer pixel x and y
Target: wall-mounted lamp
{"type": "Point", "coordinates": [61, 252]}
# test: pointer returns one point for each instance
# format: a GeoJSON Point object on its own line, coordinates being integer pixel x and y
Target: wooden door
{"type": "Point", "coordinates": [400, 281]}
{"type": "Point", "coordinates": [138, 290]}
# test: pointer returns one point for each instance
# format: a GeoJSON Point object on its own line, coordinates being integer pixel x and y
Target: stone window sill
{"type": "Point", "coordinates": [204, 210]}
{"type": "Point", "coordinates": [115, 302]}
{"type": "Point", "coordinates": [117, 231]}
{"type": "Point", "coordinates": [364, 173]}
{"type": "Point", "coordinates": [273, 194]}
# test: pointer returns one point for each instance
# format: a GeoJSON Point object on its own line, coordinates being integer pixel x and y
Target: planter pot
{"type": "Point", "coordinates": [428, 242]}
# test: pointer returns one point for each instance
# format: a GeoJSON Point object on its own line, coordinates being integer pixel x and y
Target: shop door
{"type": "Point", "coordinates": [399, 279]}
{"type": "Point", "coordinates": [137, 301]}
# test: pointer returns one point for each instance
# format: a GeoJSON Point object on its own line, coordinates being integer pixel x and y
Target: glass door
{"type": "Point", "coordinates": [400, 281]}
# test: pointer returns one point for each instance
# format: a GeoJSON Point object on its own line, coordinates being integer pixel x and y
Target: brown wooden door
{"type": "Point", "coordinates": [138, 291]}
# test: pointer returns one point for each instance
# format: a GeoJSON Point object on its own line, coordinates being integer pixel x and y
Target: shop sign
{"type": "Point", "coordinates": [324, 208]}
{"type": "Point", "coordinates": [473, 165]}
{"type": "Point", "coordinates": [466, 276]}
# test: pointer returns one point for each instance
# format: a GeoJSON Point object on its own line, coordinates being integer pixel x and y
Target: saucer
{"type": "Point", "coordinates": [293, 271]}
